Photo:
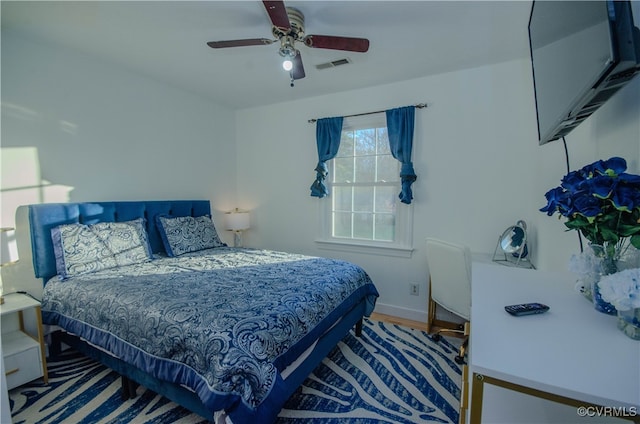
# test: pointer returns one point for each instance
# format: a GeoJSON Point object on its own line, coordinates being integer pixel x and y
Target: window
{"type": "Point", "coordinates": [363, 208]}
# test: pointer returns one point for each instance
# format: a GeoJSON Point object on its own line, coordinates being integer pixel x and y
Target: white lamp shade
{"type": "Point", "coordinates": [9, 252]}
{"type": "Point", "coordinates": [237, 221]}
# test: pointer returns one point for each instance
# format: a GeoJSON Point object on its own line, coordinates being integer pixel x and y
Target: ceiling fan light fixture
{"type": "Point", "coordinates": [287, 47]}
{"type": "Point", "coordinates": [288, 52]}
{"type": "Point", "coordinates": [287, 27]}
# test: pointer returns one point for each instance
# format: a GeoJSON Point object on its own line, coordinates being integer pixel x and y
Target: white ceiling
{"type": "Point", "coordinates": [166, 40]}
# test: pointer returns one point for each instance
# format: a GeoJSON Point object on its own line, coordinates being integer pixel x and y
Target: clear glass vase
{"type": "Point", "coordinates": [600, 304]}
{"type": "Point", "coordinates": [607, 261]}
{"type": "Point", "coordinates": [629, 323]}
{"type": "Point", "coordinates": [598, 261]}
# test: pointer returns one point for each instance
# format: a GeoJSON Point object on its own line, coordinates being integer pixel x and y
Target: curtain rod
{"type": "Point", "coordinates": [419, 106]}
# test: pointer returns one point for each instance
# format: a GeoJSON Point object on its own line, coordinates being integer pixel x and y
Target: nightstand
{"type": "Point", "coordinates": [23, 354]}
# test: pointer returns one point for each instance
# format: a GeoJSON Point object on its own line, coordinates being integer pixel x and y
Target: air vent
{"type": "Point", "coordinates": [333, 63]}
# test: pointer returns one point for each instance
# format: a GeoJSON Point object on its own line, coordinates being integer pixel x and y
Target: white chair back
{"type": "Point", "coordinates": [450, 273]}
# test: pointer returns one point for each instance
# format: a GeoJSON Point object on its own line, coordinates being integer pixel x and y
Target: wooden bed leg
{"type": "Point", "coordinates": [128, 388]}
{"type": "Point", "coordinates": [359, 327]}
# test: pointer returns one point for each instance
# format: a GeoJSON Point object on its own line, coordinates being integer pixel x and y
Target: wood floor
{"type": "Point", "coordinates": [418, 325]}
{"type": "Point", "coordinates": [399, 321]}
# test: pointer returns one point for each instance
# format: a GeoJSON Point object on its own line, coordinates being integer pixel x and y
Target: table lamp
{"type": "Point", "coordinates": [8, 252]}
{"type": "Point", "coordinates": [237, 221]}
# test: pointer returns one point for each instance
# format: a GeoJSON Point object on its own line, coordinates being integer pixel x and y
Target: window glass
{"type": "Point", "coordinates": [343, 169]}
{"type": "Point", "coordinates": [363, 199]}
{"type": "Point", "coordinates": [387, 168]}
{"type": "Point", "coordinates": [382, 141]}
{"type": "Point", "coordinates": [385, 199]}
{"type": "Point", "coordinates": [346, 144]}
{"type": "Point", "coordinates": [363, 226]}
{"type": "Point", "coordinates": [364, 185]}
{"type": "Point", "coordinates": [365, 142]}
{"type": "Point", "coordinates": [342, 224]}
{"type": "Point", "coordinates": [365, 168]}
{"type": "Point", "coordinates": [385, 227]}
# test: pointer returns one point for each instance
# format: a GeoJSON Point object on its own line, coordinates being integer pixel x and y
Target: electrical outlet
{"type": "Point", "coordinates": [414, 289]}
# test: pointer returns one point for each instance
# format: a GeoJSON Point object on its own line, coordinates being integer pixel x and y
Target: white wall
{"type": "Point", "coordinates": [477, 158]}
{"type": "Point", "coordinates": [107, 133]}
{"type": "Point", "coordinates": [110, 133]}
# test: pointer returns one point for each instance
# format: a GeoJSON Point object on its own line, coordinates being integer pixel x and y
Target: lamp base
{"type": "Point", "coordinates": [237, 239]}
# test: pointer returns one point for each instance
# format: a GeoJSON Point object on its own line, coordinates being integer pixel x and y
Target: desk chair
{"type": "Point", "coordinates": [450, 287]}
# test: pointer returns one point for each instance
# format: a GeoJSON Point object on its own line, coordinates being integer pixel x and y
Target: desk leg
{"type": "Point", "coordinates": [477, 387]}
{"type": "Point", "coordinates": [464, 396]}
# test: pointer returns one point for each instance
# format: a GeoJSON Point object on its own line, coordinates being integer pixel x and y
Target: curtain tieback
{"type": "Point", "coordinates": [322, 170]}
{"type": "Point", "coordinates": [318, 188]}
{"type": "Point", "coordinates": [407, 177]}
{"type": "Point", "coordinates": [407, 173]}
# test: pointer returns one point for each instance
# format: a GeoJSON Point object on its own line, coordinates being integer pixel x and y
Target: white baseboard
{"type": "Point", "coordinates": [406, 313]}
{"type": "Point", "coordinates": [414, 314]}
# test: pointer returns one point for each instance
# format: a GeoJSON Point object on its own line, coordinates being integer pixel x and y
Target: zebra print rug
{"type": "Point", "coordinates": [391, 374]}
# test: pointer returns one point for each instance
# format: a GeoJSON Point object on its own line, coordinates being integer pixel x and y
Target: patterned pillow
{"type": "Point", "coordinates": [82, 249]}
{"type": "Point", "coordinates": [184, 234]}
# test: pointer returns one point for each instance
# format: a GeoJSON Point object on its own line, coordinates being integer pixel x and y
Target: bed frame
{"type": "Point", "coordinates": [44, 217]}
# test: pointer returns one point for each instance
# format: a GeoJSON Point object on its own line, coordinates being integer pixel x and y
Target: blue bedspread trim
{"type": "Point", "coordinates": [246, 386]}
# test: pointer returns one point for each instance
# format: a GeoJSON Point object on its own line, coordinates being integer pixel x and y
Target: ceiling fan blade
{"type": "Point", "coordinates": [239, 43]}
{"type": "Point", "coordinates": [297, 72]}
{"type": "Point", "coordinates": [278, 14]}
{"type": "Point", "coordinates": [360, 45]}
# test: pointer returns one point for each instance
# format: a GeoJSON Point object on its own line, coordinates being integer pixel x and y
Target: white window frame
{"type": "Point", "coordinates": [403, 232]}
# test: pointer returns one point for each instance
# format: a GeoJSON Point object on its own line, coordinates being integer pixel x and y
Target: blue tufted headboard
{"type": "Point", "coordinates": [43, 217]}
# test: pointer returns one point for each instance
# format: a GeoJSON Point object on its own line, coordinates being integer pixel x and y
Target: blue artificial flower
{"type": "Point", "coordinates": [626, 198]}
{"type": "Point", "coordinates": [586, 204]}
{"type": "Point", "coordinates": [630, 179]}
{"type": "Point", "coordinates": [611, 167]}
{"type": "Point", "coordinates": [615, 165]}
{"type": "Point", "coordinates": [557, 201]}
{"type": "Point", "coordinates": [572, 180]}
{"type": "Point", "coordinates": [602, 186]}
{"type": "Point", "coordinates": [601, 201]}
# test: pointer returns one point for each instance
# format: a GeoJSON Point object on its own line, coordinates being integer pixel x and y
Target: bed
{"type": "Point", "coordinates": [150, 290]}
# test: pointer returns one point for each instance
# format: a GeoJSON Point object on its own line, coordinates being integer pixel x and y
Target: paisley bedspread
{"type": "Point", "coordinates": [222, 322]}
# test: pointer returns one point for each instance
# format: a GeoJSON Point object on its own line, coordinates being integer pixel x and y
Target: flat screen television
{"type": "Point", "coordinates": [582, 52]}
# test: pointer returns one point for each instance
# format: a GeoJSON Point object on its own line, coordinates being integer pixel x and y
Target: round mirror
{"type": "Point", "coordinates": [513, 239]}
{"type": "Point", "coordinates": [513, 244]}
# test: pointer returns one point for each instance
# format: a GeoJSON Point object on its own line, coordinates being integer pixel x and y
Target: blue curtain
{"type": "Point", "coordinates": [328, 133]}
{"type": "Point", "coordinates": [400, 123]}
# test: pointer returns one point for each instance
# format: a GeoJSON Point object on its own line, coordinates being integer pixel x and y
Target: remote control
{"type": "Point", "coordinates": [526, 309]}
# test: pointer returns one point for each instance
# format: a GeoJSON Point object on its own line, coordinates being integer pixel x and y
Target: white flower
{"type": "Point", "coordinates": [622, 289]}
{"type": "Point", "coordinates": [585, 264]}
{"type": "Point", "coordinates": [577, 264]}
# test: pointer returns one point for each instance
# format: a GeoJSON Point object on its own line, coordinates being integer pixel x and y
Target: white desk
{"type": "Point", "coordinates": [571, 352]}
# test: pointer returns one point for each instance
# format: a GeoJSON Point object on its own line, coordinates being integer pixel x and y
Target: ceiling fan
{"type": "Point", "coordinates": [288, 28]}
